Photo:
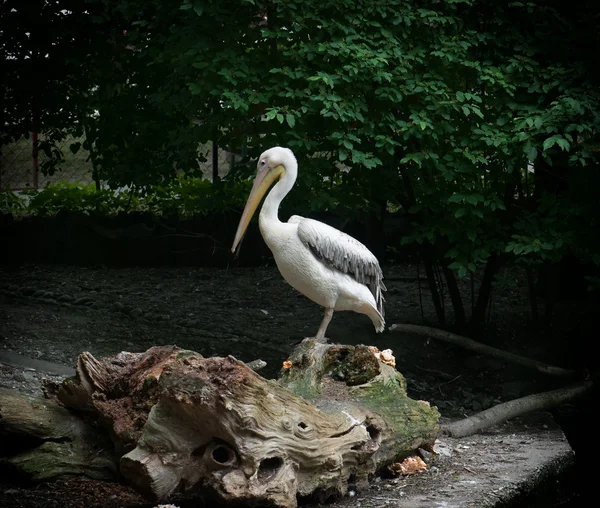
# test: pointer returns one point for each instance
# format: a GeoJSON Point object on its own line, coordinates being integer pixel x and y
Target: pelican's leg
{"type": "Point", "coordinates": [324, 324]}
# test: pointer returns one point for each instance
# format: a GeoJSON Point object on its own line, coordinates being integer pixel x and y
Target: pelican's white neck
{"type": "Point", "coordinates": [270, 208]}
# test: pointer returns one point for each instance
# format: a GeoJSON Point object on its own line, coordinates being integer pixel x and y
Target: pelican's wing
{"type": "Point", "coordinates": [344, 253]}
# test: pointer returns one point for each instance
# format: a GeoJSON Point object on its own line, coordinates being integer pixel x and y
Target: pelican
{"type": "Point", "coordinates": [330, 267]}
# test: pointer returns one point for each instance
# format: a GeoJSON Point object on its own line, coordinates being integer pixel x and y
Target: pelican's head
{"type": "Point", "coordinates": [271, 166]}
{"type": "Point", "coordinates": [276, 156]}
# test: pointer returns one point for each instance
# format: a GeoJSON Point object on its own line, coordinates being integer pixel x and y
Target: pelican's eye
{"type": "Point", "coordinates": [263, 163]}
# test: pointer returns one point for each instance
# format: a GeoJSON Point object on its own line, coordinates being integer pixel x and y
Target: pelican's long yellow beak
{"type": "Point", "coordinates": [263, 181]}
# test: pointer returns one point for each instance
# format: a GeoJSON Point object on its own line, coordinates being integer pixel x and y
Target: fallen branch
{"type": "Point", "coordinates": [517, 407]}
{"type": "Point", "coordinates": [493, 352]}
{"type": "Point", "coordinates": [435, 372]}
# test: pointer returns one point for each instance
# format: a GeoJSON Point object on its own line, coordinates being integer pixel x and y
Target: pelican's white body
{"type": "Point", "coordinates": [326, 286]}
{"type": "Point", "coordinates": [318, 278]}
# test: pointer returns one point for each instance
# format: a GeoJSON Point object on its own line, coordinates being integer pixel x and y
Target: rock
{"type": "Point", "coordinates": [117, 307]}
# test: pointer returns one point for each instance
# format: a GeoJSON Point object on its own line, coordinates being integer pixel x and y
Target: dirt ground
{"type": "Point", "coordinates": [53, 313]}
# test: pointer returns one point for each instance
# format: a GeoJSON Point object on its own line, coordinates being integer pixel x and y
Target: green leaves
{"type": "Point", "coordinates": [323, 77]}
{"type": "Point", "coordinates": [556, 140]}
{"type": "Point", "coordinates": [434, 105]}
{"type": "Point", "coordinates": [185, 197]}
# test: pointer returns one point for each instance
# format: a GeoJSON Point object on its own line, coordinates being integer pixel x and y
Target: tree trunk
{"type": "Point", "coordinates": [460, 319]}
{"type": "Point", "coordinates": [181, 422]}
{"type": "Point", "coordinates": [429, 261]}
{"type": "Point", "coordinates": [483, 296]}
{"type": "Point", "coordinates": [535, 316]}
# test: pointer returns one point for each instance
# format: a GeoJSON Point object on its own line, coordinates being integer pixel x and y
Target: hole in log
{"type": "Point", "coordinates": [268, 467]}
{"type": "Point", "coordinates": [303, 425]}
{"type": "Point", "coordinates": [352, 482]}
{"type": "Point", "coordinates": [374, 432]}
{"type": "Point", "coordinates": [216, 454]}
{"type": "Point", "coordinates": [223, 455]}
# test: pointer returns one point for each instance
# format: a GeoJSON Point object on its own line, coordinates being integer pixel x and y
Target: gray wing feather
{"type": "Point", "coordinates": [343, 253]}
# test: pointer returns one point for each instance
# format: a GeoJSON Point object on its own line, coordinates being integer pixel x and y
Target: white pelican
{"type": "Point", "coordinates": [328, 266]}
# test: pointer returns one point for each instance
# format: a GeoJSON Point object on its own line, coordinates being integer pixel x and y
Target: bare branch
{"type": "Point", "coordinates": [517, 407]}
{"type": "Point", "coordinates": [472, 345]}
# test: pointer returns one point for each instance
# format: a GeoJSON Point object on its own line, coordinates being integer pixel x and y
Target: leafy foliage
{"type": "Point", "coordinates": [480, 119]}
{"type": "Point", "coordinates": [184, 196]}
{"type": "Point", "coordinates": [46, 81]}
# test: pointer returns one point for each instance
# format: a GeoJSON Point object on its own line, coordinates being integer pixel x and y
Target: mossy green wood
{"type": "Point", "coordinates": [403, 424]}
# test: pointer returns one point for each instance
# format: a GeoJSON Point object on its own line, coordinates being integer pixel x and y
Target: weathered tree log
{"type": "Point", "coordinates": [180, 422]}
{"type": "Point", "coordinates": [336, 415]}
{"type": "Point", "coordinates": [42, 440]}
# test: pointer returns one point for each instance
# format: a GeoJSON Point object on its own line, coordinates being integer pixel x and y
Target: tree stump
{"type": "Point", "coordinates": [182, 422]}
